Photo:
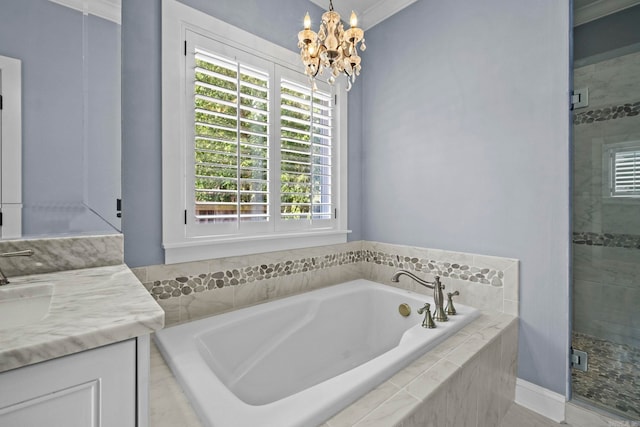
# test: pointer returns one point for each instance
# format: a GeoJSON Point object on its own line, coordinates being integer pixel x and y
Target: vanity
{"type": "Point", "coordinates": [74, 350]}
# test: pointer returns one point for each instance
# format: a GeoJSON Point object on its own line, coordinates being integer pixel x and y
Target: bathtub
{"type": "Point", "coordinates": [299, 360]}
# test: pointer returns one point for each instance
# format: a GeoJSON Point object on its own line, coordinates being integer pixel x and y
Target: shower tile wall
{"type": "Point", "coordinates": [606, 232]}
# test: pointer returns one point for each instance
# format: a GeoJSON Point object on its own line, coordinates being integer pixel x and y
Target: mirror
{"type": "Point", "coordinates": [70, 115]}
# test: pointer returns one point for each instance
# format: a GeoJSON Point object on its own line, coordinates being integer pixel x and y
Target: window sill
{"type": "Point", "coordinates": [200, 249]}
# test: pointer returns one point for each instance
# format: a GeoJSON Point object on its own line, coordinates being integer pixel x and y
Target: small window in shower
{"type": "Point", "coordinates": [622, 164]}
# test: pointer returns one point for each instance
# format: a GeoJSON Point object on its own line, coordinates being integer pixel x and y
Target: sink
{"type": "Point", "coordinates": [24, 304]}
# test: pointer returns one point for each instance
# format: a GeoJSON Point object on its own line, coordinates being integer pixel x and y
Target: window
{"type": "Point", "coordinates": [253, 159]}
{"type": "Point", "coordinates": [305, 152]}
{"type": "Point", "coordinates": [230, 135]}
{"type": "Point", "coordinates": [626, 173]}
{"type": "Point", "coordinates": [622, 165]}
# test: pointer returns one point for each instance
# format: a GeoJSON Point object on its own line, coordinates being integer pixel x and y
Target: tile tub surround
{"type": "Point", "coordinates": [193, 290]}
{"type": "Point", "coordinates": [62, 253]}
{"type": "Point", "coordinates": [484, 282]}
{"type": "Point", "coordinates": [89, 308]}
{"type": "Point", "coordinates": [467, 380]}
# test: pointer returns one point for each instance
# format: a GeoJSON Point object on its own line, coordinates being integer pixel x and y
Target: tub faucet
{"type": "Point", "coordinates": [437, 287]}
{"type": "Point", "coordinates": [3, 278]}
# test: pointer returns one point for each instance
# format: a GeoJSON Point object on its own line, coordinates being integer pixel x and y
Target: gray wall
{"type": "Point", "coordinates": [47, 39]}
{"type": "Point", "coordinates": [141, 133]}
{"type": "Point", "coordinates": [466, 148]}
{"type": "Point", "coordinates": [458, 140]}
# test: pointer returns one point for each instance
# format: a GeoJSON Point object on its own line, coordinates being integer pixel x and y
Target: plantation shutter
{"type": "Point", "coordinates": [231, 140]}
{"type": "Point", "coordinates": [626, 173]}
{"type": "Point", "coordinates": [305, 152]}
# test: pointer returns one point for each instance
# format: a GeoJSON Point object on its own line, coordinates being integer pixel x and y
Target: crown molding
{"type": "Point", "coordinates": [599, 9]}
{"type": "Point", "coordinates": [370, 12]}
{"type": "Point", "coordinates": [107, 9]}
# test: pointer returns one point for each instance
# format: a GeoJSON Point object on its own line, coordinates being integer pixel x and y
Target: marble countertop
{"type": "Point", "coordinates": [89, 308]}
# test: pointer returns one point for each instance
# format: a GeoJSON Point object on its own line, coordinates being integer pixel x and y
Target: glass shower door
{"type": "Point", "coordinates": [606, 233]}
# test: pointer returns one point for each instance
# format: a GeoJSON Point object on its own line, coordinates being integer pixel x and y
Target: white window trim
{"type": "Point", "coordinates": [607, 177]}
{"type": "Point", "coordinates": [11, 150]}
{"type": "Point", "coordinates": [177, 18]}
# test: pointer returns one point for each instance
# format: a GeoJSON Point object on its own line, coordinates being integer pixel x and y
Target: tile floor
{"type": "Point", "coordinates": [612, 380]}
{"type": "Point", "coordinates": [519, 416]}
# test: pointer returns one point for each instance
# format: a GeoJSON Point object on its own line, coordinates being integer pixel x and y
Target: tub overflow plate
{"type": "Point", "coordinates": [404, 309]}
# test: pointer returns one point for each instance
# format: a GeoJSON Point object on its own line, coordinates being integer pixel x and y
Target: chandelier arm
{"type": "Point", "coordinates": [317, 71]}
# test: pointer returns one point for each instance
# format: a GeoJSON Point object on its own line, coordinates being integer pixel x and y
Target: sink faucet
{"type": "Point", "coordinates": [437, 287]}
{"type": "Point", "coordinates": [3, 278]}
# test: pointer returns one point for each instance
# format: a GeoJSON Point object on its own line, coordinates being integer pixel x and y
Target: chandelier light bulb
{"type": "Point", "coordinates": [307, 22]}
{"type": "Point", "coordinates": [353, 21]}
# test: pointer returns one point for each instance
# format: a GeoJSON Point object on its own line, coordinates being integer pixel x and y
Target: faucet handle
{"type": "Point", "coordinates": [451, 310]}
{"type": "Point", "coordinates": [428, 320]}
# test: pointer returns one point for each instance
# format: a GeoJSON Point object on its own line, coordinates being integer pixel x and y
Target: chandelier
{"type": "Point", "coordinates": [332, 47]}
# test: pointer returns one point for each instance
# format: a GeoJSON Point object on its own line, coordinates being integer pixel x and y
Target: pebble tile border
{"type": "Point", "coordinates": [607, 113]}
{"type": "Point", "coordinates": [454, 270]}
{"type": "Point", "coordinates": [629, 241]}
{"type": "Point", "coordinates": [238, 276]}
{"type": "Point", "coordinates": [185, 285]}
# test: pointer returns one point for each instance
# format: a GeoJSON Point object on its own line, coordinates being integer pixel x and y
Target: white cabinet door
{"type": "Point", "coordinates": [89, 389]}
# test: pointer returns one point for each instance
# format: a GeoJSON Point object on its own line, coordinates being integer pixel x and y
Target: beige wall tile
{"type": "Point", "coordinates": [202, 304]}
{"type": "Point", "coordinates": [434, 377]}
{"type": "Point", "coordinates": [372, 400]}
{"type": "Point", "coordinates": [171, 309]}
{"type": "Point", "coordinates": [391, 412]}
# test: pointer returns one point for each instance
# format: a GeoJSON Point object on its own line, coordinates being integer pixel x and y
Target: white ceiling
{"type": "Point", "coordinates": [370, 12]}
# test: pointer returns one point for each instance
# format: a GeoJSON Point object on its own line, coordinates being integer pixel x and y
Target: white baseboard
{"type": "Point", "coordinates": [541, 400]}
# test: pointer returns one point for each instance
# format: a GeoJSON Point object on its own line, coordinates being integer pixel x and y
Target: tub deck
{"type": "Point", "coordinates": [480, 360]}
{"type": "Point", "coordinates": [295, 362]}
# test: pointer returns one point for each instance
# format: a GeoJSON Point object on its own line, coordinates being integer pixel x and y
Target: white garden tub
{"type": "Point", "coordinates": [299, 360]}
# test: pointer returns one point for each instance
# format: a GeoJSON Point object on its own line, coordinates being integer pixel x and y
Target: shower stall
{"type": "Point", "coordinates": [606, 212]}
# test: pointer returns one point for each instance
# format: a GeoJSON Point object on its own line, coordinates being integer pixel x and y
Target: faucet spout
{"type": "Point", "coordinates": [396, 276]}
{"type": "Point", "coordinates": [436, 285]}
{"type": "Point", "coordinates": [3, 278]}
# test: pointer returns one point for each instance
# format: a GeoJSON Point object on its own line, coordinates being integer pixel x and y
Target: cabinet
{"type": "Point", "coordinates": [93, 388]}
